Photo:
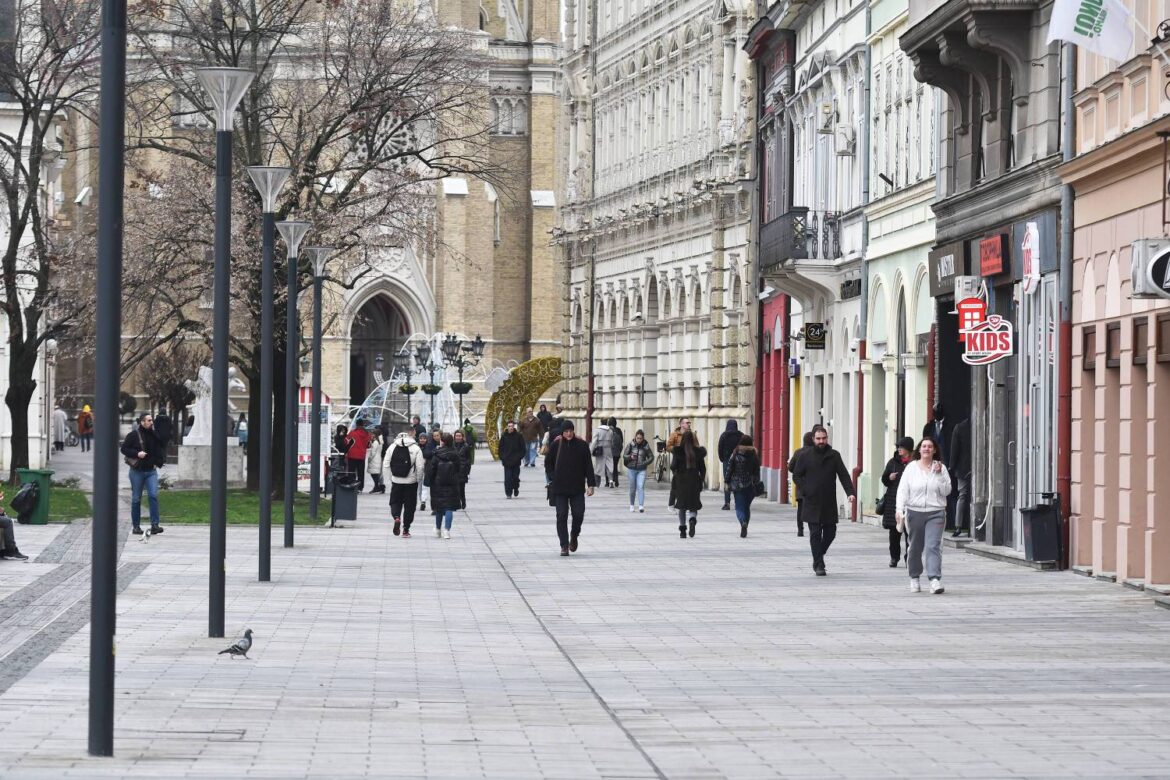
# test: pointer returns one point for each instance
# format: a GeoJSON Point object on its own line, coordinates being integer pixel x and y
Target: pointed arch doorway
{"type": "Point", "coordinates": [380, 328]}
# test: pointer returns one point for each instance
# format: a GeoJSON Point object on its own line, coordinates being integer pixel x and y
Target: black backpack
{"type": "Point", "coordinates": [401, 463]}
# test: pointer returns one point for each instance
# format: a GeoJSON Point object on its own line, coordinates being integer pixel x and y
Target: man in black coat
{"type": "Point", "coordinates": [512, 449]}
{"type": "Point", "coordinates": [942, 429]}
{"type": "Point", "coordinates": [148, 450]}
{"type": "Point", "coordinates": [728, 441]}
{"type": "Point", "coordinates": [569, 468]}
{"type": "Point", "coordinates": [807, 443]}
{"type": "Point", "coordinates": [556, 426]}
{"type": "Point", "coordinates": [960, 468]}
{"type": "Point", "coordinates": [816, 472]}
{"type": "Point", "coordinates": [545, 416]}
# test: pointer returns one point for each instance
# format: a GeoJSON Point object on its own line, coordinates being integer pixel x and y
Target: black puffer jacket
{"type": "Point", "coordinates": [893, 465]}
{"type": "Point", "coordinates": [142, 440]}
{"type": "Point", "coordinates": [743, 468]}
{"type": "Point", "coordinates": [465, 457]}
{"type": "Point", "coordinates": [729, 440]}
{"type": "Point", "coordinates": [444, 476]}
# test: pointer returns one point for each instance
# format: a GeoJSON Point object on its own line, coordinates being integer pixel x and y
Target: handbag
{"type": "Point", "coordinates": [132, 462]}
{"type": "Point", "coordinates": [759, 489]}
{"type": "Point", "coordinates": [880, 504]}
{"type": "Point", "coordinates": [598, 452]}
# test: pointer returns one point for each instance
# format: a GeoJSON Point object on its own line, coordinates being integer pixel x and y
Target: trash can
{"type": "Point", "coordinates": [1042, 532]}
{"type": "Point", "coordinates": [43, 479]}
{"type": "Point", "coordinates": [345, 492]}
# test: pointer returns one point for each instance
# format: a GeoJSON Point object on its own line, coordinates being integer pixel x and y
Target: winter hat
{"type": "Point", "coordinates": [85, 408]}
{"type": "Point", "coordinates": [906, 443]}
{"type": "Point", "coordinates": [568, 426]}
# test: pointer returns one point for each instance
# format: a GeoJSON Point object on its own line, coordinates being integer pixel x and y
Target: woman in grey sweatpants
{"type": "Point", "coordinates": [922, 510]}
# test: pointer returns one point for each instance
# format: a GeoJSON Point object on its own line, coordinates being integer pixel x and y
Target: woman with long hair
{"type": "Point", "coordinates": [688, 462]}
{"type": "Point", "coordinates": [444, 476]}
{"type": "Point", "coordinates": [638, 457]}
{"type": "Point", "coordinates": [743, 474]}
{"type": "Point", "coordinates": [922, 511]}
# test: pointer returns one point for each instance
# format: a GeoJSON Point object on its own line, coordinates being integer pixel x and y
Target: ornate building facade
{"type": "Point", "coordinates": [658, 103]}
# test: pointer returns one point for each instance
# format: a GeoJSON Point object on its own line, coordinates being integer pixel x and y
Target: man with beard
{"type": "Point", "coordinates": [815, 471]}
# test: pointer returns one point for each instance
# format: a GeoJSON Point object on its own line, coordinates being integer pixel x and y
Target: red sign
{"type": "Point", "coordinates": [986, 339]}
{"type": "Point", "coordinates": [991, 252]}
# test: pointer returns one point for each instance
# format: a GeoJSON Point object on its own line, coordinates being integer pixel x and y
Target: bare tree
{"type": "Point", "coordinates": [370, 102]}
{"type": "Point", "coordinates": [46, 70]}
{"type": "Point", "coordinates": [168, 370]}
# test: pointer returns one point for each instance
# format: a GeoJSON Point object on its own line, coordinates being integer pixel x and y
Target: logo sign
{"type": "Point", "coordinates": [945, 263]}
{"type": "Point", "coordinates": [814, 335]}
{"type": "Point", "coordinates": [991, 255]}
{"type": "Point", "coordinates": [1030, 251]}
{"type": "Point", "coordinates": [1158, 273]}
{"type": "Point", "coordinates": [986, 338]}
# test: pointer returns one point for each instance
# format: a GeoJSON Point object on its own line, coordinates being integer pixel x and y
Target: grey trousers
{"type": "Point", "coordinates": [926, 532]}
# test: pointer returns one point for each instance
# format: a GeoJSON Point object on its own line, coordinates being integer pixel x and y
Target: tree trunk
{"type": "Point", "coordinates": [18, 398]}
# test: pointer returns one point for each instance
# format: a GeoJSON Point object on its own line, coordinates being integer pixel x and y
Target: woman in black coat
{"type": "Point", "coordinates": [890, 475]}
{"type": "Point", "coordinates": [688, 462]}
{"type": "Point", "coordinates": [743, 472]}
{"type": "Point", "coordinates": [465, 456]}
{"type": "Point", "coordinates": [444, 477]}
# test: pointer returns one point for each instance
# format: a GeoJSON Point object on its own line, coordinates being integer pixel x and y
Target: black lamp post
{"type": "Point", "coordinates": [462, 354]}
{"type": "Point", "coordinates": [403, 364]}
{"type": "Point", "coordinates": [293, 232]}
{"type": "Point", "coordinates": [268, 181]}
{"type": "Point", "coordinates": [427, 363]}
{"type": "Point", "coordinates": [225, 87]}
{"type": "Point", "coordinates": [319, 256]}
{"type": "Point", "coordinates": [103, 609]}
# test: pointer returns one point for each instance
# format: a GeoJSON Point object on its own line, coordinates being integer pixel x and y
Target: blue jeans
{"type": "Point", "coordinates": [449, 514]}
{"type": "Point", "coordinates": [637, 486]}
{"type": "Point", "coordinates": [530, 456]}
{"type": "Point", "coordinates": [743, 504]}
{"type": "Point", "coordinates": [138, 480]}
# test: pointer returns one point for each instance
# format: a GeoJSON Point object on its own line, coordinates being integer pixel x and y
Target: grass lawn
{"type": "Point", "coordinates": [243, 508]}
{"type": "Point", "coordinates": [67, 504]}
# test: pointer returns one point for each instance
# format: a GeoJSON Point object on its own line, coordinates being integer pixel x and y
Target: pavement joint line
{"type": "Point", "coordinates": [568, 658]}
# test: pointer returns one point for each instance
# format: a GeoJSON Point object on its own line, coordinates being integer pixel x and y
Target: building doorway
{"type": "Point", "coordinates": [378, 329]}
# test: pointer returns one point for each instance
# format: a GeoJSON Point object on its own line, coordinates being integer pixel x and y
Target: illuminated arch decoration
{"type": "Point", "coordinates": [523, 388]}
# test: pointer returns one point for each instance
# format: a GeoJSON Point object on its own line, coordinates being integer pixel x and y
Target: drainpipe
{"type": "Point", "coordinates": [1064, 362]}
{"type": "Point", "coordinates": [863, 139]}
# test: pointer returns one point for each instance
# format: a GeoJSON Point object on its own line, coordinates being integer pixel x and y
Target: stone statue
{"type": "Point", "coordinates": [201, 387]}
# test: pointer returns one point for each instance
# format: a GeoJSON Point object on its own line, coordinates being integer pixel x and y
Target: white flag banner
{"type": "Point", "coordinates": [1100, 26]}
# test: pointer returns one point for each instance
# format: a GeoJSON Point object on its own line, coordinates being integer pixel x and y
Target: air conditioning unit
{"type": "Point", "coordinates": [967, 287]}
{"type": "Point", "coordinates": [1143, 251]}
{"type": "Point", "coordinates": [826, 118]}
{"type": "Point", "coordinates": [844, 140]}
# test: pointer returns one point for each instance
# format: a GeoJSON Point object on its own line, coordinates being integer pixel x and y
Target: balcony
{"type": "Point", "coordinates": [783, 238]}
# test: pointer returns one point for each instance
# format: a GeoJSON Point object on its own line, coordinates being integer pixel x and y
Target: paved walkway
{"type": "Point", "coordinates": [644, 655]}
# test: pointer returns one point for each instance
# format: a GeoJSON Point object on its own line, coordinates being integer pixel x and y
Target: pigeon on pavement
{"type": "Point", "coordinates": [241, 647]}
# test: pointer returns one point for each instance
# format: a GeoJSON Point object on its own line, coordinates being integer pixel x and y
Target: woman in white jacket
{"type": "Point", "coordinates": [374, 462]}
{"type": "Point", "coordinates": [922, 510]}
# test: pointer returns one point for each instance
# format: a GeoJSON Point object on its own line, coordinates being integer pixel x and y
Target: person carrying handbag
{"type": "Point", "coordinates": [144, 450]}
{"type": "Point", "coordinates": [887, 506]}
{"type": "Point", "coordinates": [743, 479]}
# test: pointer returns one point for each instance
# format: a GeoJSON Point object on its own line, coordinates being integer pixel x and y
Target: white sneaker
{"type": "Point", "coordinates": [641, 509]}
{"type": "Point", "coordinates": [446, 534]}
{"type": "Point", "coordinates": [915, 587]}
{"type": "Point", "coordinates": [936, 586]}
{"type": "Point", "coordinates": [438, 533]}
{"type": "Point", "coordinates": [631, 508]}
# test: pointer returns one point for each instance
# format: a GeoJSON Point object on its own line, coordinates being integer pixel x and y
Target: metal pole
{"type": "Point", "coordinates": [315, 429]}
{"type": "Point", "coordinates": [268, 232]}
{"type": "Point", "coordinates": [290, 402]}
{"type": "Point", "coordinates": [104, 571]}
{"type": "Point", "coordinates": [219, 381]}
{"type": "Point", "coordinates": [459, 422]}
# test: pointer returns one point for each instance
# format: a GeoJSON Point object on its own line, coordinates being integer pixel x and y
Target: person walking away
{"type": "Point", "coordinates": [531, 430]}
{"type": "Point", "coordinates": [512, 450]}
{"type": "Point", "coordinates": [602, 449]}
{"type": "Point", "coordinates": [688, 462]}
{"type": "Point", "coordinates": [807, 443]}
{"type": "Point", "coordinates": [60, 428]}
{"type": "Point", "coordinates": [545, 416]}
{"type": "Point", "coordinates": [728, 441]}
{"type": "Point", "coordinates": [743, 474]}
{"type": "Point", "coordinates": [816, 472]}
{"type": "Point", "coordinates": [571, 477]}
{"type": "Point", "coordinates": [465, 457]}
{"type": "Point", "coordinates": [8, 548]}
{"type": "Point", "coordinates": [374, 462]}
{"type": "Point", "coordinates": [144, 451]}
{"type": "Point", "coordinates": [638, 457]}
{"type": "Point", "coordinates": [469, 437]}
{"type": "Point", "coordinates": [960, 468]}
{"type": "Point", "coordinates": [444, 476]}
{"type": "Point", "coordinates": [428, 445]}
{"type": "Point", "coordinates": [355, 455]}
{"type": "Point", "coordinates": [921, 510]}
{"type": "Point", "coordinates": [85, 428]}
{"type": "Point", "coordinates": [619, 441]}
{"type": "Point", "coordinates": [889, 510]}
{"type": "Point", "coordinates": [406, 466]}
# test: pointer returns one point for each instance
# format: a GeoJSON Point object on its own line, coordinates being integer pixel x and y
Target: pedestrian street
{"type": "Point", "coordinates": [640, 656]}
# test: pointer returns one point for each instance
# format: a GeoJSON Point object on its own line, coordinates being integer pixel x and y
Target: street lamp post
{"type": "Point", "coordinates": [293, 232]}
{"type": "Point", "coordinates": [225, 87]}
{"type": "Point", "coordinates": [103, 610]}
{"type": "Point", "coordinates": [319, 256]}
{"type": "Point", "coordinates": [268, 181]}
{"type": "Point", "coordinates": [403, 364]}
{"type": "Point", "coordinates": [456, 352]}
{"type": "Point", "coordinates": [426, 363]}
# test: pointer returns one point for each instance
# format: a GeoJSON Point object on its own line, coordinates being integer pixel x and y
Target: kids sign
{"type": "Point", "coordinates": [986, 339]}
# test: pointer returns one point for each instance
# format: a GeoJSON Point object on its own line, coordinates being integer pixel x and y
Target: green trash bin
{"type": "Point", "coordinates": [44, 480]}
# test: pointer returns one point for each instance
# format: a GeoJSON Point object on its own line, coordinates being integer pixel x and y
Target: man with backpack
{"type": "Point", "coordinates": [405, 465]}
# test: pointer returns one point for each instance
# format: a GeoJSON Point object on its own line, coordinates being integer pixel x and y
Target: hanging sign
{"type": "Point", "coordinates": [991, 252]}
{"type": "Point", "coordinates": [986, 338]}
{"type": "Point", "coordinates": [1030, 251]}
{"type": "Point", "coordinates": [814, 335]}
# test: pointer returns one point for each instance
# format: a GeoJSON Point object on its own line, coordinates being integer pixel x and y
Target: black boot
{"type": "Point", "coordinates": [682, 532]}
{"type": "Point", "coordinates": [743, 530]}
{"type": "Point", "coordinates": [692, 522]}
